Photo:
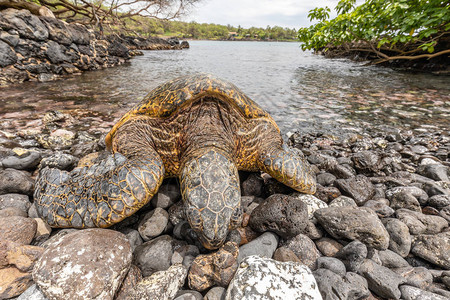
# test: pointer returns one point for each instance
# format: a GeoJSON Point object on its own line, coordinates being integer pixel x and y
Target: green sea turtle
{"type": "Point", "coordinates": [197, 128]}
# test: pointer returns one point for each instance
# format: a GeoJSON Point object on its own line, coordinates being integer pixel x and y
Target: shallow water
{"type": "Point", "coordinates": [301, 90]}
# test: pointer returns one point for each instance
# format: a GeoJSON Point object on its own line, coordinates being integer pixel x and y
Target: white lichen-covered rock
{"type": "Point", "coordinates": [313, 204]}
{"type": "Point", "coordinates": [161, 285]}
{"type": "Point", "coordinates": [86, 264]}
{"type": "Point", "coordinates": [259, 278]}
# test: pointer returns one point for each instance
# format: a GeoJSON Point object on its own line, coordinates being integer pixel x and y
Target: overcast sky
{"type": "Point", "coordinates": [259, 13]}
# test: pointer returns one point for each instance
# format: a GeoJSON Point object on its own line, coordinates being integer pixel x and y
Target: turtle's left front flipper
{"type": "Point", "coordinates": [98, 195]}
{"type": "Point", "coordinates": [288, 166]}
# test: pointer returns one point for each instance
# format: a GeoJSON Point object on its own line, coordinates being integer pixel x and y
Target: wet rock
{"type": "Point", "coordinates": [133, 276]}
{"type": "Point", "coordinates": [214, 269]}
{"type": "Point", "coordinates": [342, 201]}
{"type": "Point", "coordinates": [359, 188]}
{"type": "Point", "coordinates": [59, 160]}
{"type": "Point", "coordinates": [285, 254]}
{"type": "Point", "coordinates": [335, 286]}
{"type": "Point", "coordinates": [118, 49]}
{"type": "Point", "coordinates": [154, 255]}
{"type": "Point", "coordinates": [305, 249]}
{"type": "Point", "coordinates": [216, 293]}
{"type": "Point", "coordinates": [418, 193]}
{"type": "Point", "coordinates": [259, 278]}
{"type": "Point", "coordinates": [413, 293]}
{"type": "Point", "coordinates": [380, 208]}
{"type": "Point", "coordinates": [13, 282]}
{"type": "Point", "coordinates": [32, 293]}
{"type": "Point", "coordinates": [312, 204]}
{"type": "Point", "coordinates": [153, 224]}
{"type": "Point", "coordinates": [353, 255]}
{"type": "Point", "coordinates": [253, 185]}
{"type": "Point", "coordinates": [19, 201]}
{"type": "Point", "coordinates": [328, 247]}
{"type": "Point", "coordinates": [354, 223]}
{"type": "Point", "coordinates": [15, 181]}
{"type": "Point", "coordinates": [188, 295]}
{"type": "Point", "coordinates": [390, 259]}
{"type": "Point", "coordinates": [281, 214]}
{"type": "Point", "coordinates": [367, 162]}
{"type": "Point", "coordinates": [17, 229]}
{"type": "Point", "coordinates": [84, 264]}
{"type": "Point", "coordinates": [161, 285]}
{"type": "Point", "coordinates": [325, 179]}
{"type": "Point", "coordinates": [419, 223]}
{"type": "Point", "coordinates": [433, 248]}
{"type": "Point", "coordinates": [381, 280]}
{"type": "Point", "coordinates": [400, 239]}
{"type": "Point", "coordinates": [265, 245]}
{"type": "Point", "coordinates": [437, 172]}
{"type": "Point", "coordinates": [12, 211]}
{"type": "Point", "coordinates": [27, 161]}
{"type": "Point", "coordinates": [332, 264]}
{"type": "Point", "coordinates": [167, 195]}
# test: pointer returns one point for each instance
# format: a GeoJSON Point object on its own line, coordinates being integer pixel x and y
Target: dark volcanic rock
{"type": "Point", "coordinates": [19, 201]}
{"type": "Point", "coordinates": [419, 223]}
{"type": "Point", "coordinates": [153, 224]}
{"type": "Point", "coordinates": [433, 248]}
{"type": "Point", "coordinates": [264, 245]}
{"type": "Point", "coordinates": [154, 255]}
{"type": "Point", "coordinates": [85, 264]}
{"type": "Point", "coordinates": [14, 181]}
{"type": "Point", "coordinates": [305, 249]}
{"type": "Point", "coordinates": [381, 280]}
{"type": "Point", "coordinates": [353, 255]}
{"type": "Point", "coordinates": [7, 55]}
{"type": "Point", "coordinates": [359, 188]}
{"type": "Point", "coordinates": [354, 223]}
{"type": "Point", "coordinates": [17, 229]}
{"type": "Point", "coordinates": [400, 239]}
{"type": "Point", "coordinates": [27, 161]}
{"type": "Point", "coordinates": [281, 214]}
{"type": "Point", "coordinates": [335, 286]}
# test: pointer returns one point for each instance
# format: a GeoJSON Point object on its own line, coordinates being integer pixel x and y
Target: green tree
{"type": "Point", "coordinates": [389, 29]}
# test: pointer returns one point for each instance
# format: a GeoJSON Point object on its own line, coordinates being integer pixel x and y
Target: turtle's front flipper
{"type": "Point", "coordinates": [98, 195]}
{"type": "Point", "coordinates": [288, 166]}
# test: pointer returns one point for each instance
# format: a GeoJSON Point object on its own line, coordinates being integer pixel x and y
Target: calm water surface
{"type": "Point", "coordinates": [301, 90]}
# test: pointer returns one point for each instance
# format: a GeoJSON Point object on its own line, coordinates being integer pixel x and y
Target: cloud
{"type": "Point", "coordinates": [260, 13]}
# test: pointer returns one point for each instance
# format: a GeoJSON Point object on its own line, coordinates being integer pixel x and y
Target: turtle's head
{"type": "Point", "coordinates": [212, 228]}
{"type": "Point", "coordinates": [211, 195]}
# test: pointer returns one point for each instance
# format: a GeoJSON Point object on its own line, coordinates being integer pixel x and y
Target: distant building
{"type": "Point", "coordinates": [232, 34]}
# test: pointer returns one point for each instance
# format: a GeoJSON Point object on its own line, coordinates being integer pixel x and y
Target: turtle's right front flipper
{"type": "Point", "coordinates": [98, 195]}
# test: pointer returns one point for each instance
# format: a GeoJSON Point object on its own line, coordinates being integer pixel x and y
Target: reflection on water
{"type": "Point", "coordinates": [300, 90]}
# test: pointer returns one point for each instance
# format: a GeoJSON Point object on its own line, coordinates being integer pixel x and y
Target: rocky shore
{"type": "Point", "coordinates": [43, 48]}
{"type": "Point", "coordinates": [377, 228]}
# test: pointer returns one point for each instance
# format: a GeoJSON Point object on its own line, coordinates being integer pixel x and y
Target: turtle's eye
{"type": "Point", "coordinates": [236, 218]}
{"type": "Point", "coordinates": [194, 218]}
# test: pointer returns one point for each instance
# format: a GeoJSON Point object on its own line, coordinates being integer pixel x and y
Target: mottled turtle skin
{"type": "Point", "coordinates": [198, 128]}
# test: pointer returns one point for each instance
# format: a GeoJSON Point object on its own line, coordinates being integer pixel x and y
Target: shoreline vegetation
{"type": "Point", "coordinates": [407, 35]}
